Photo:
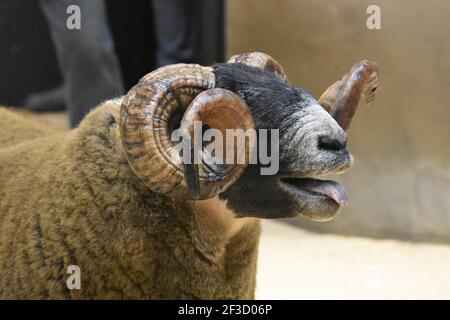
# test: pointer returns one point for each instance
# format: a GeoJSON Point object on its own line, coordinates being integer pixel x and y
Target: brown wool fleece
{"type": "Point", "coordinates": [15, 128]}
{"type": "Point", "coordinates": [71, 199]}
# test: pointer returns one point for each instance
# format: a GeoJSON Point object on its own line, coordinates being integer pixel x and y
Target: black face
{"type": "Point", "coordinates": [310, 144]}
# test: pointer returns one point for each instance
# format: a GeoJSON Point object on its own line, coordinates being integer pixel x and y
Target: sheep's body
{"type": "Point", "coordinates": [15, 129]}
{"type": "Point", "coordinates": [128, 241]}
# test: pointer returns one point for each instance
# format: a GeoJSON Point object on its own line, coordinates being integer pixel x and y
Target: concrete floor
{"type": "Point", "coordinates": [297, 264]}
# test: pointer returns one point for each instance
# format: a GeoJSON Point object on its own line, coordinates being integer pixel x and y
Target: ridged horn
{"type": "Point", "coordinates": [260, 60]}
{"type": "Point", "coordinates": [147, 116]}
{"type": "Point", "coordinates": [341, 99]}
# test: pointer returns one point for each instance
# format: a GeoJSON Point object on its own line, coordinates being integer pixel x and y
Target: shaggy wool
{"type": "Point", "coordinates": [71, 199]}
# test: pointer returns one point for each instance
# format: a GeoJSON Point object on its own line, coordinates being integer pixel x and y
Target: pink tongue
{"type": "Point", "coordinates": [329, 188]}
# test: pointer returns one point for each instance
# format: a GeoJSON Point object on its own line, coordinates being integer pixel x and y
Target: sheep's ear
{"type": "Point", "coordinates": [342, 98]}
{"type": "Point", "coordinates": [260, 60]}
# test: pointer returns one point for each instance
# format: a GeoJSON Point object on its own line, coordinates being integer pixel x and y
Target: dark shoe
{"type": "Point", "coordinates": [50, 100]}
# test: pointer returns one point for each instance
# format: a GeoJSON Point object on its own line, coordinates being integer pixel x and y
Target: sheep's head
{"type": "Point", "coordinates": [249, 92]}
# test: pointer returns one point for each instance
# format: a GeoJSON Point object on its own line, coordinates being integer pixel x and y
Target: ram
{"type": "Point", "coordinates": [113, 197]}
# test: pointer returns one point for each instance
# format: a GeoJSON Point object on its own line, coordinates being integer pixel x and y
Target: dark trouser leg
{"type": "Point", "coordinates": [86, 57]}
{"type": "Point", "coordinates": [173, 25]}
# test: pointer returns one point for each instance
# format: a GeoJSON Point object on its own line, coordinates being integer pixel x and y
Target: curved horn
{"type": "Point", "coordinates": [342, 98]}
{"type": "Point", "coordinates": [146, 123]}
{"type": "Point", "coordinates": [262, 61]}
{"type": "Point", "coordinates": [220, 109]}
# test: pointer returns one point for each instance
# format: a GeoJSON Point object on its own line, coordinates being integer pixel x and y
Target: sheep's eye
{"type": "Point", "coordinates": [175, 120]}
{"type": "Point", "coordinates": [111, 120]}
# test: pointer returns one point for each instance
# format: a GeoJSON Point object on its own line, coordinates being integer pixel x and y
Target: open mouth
{"type": "Point", "coordinates": [316, 188]}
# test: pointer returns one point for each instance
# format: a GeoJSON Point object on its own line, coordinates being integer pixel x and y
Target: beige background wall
{"type": "Point", "coordinates": [400, 184]}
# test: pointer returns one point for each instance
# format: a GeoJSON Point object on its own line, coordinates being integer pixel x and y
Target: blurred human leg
{"type": "Point", "coordinates": [173, 25]}
{"type": "Point", "coordinates": [49, 100]}
{"type": "Point", "coordinates": [86, 57]}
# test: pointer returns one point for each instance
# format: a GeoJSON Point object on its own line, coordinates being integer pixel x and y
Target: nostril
{"type": "Point", "coordinates": [331, 144]}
